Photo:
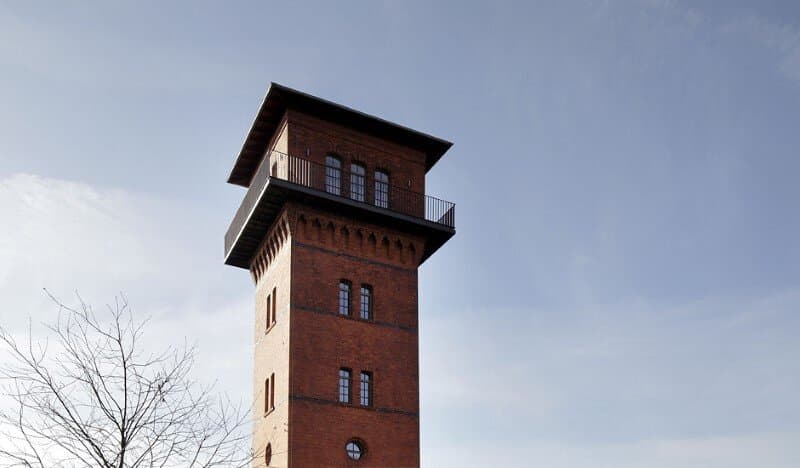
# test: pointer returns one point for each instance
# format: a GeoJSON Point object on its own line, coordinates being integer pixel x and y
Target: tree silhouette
{"type": "Point", "coordinates": [88, 396]}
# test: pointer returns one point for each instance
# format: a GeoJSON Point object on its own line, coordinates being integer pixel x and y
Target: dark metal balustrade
{"type": "Point", "coordinates": [324, 179]}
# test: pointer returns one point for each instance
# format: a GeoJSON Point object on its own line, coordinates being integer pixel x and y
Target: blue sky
{"type": "Point", "coordinates": [624, 287]}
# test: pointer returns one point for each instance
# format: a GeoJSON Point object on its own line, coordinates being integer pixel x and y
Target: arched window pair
{"type": "Point", "coordinates": [358, 181]}
{"type": "Point", "coordinates": [365, 300]}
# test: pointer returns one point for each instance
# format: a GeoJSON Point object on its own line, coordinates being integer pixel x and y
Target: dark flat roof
{"type": "Point", "coordinates": [279, 98]}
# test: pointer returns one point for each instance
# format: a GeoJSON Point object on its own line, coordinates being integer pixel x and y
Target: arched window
{"type": "Point", "coordinates": [366, 388]}
{"type": "Point", "coordinates": [268, 454]}
{"type": "Point", "coordinates": [333, 175]}
{"type": "Point", "coordinates": [366, 302]}
{"type": "Point", "coordinates": [358, 182]}
{"type": "Point", "coordinates": [269, 394]}
{"type": "Point", "coordinates": [381, 189]}
{"type": "Point", "coordinates": [344, 385]}
{"type": "Point", "coordinates": [344, 297]}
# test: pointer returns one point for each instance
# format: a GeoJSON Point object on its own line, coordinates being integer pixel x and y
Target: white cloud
{"type": "Point", "coordinates": [68, 236]}
{"type": "Point", "coordinates": [773, 450]}
{"type": "Point", "coordinates": [706, 384]}
{"type": "Point", "coordinates": [608, 385]}
{"type": "Point", "coordinates": [784, 39]}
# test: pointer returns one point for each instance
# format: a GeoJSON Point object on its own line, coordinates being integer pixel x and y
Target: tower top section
{"type": "Point", "coordinates": [303, 150]}
{"type": "Point", "coordinates": [281, 98]}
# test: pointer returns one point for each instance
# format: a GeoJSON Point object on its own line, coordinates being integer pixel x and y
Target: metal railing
{"type": "Point", "coordinates": [339, 182]}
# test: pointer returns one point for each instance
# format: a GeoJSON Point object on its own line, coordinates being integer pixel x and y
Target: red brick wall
{"type": "Point", "coordinates": [322, 342]}
{"type": "Point", "coordinates": [313, 138]}
{"type": "Point", "coordinates": [306, 256]}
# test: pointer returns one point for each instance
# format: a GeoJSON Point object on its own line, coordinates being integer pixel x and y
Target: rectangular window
{"type": "Point", "coordinates": [269, 312]}
{"type": "Point", "coordinates": [272, 392]}
{"type": "Point", "coordinates": [274, 305]}
{"type": "Point", "coordinates": [358, 183]}
{"type": "Point", "coordinates": [333, 175]}
{"type": "Point", "coordinates": [269, 394]}
{"type": "Point", "coordinates": [344, 297]}
{"type": "Point", "coordinates": [381, 189]}
{"type": "Point", "coordinates": [366, 388]}
{"type": "Point", "coordinates": [366, 302]}
{"type": "Point", "coordinates": [344, 385]}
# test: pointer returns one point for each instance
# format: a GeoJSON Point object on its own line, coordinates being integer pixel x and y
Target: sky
{"type": "Point", "coordinates": [624, 286]}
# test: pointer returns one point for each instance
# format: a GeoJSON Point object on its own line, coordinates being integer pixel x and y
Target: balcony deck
{"type": "Point", "coordinates": [293, 178]}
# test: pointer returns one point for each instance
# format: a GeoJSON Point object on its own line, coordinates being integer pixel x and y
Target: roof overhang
{"type": "Point", "coordinates": [279, 98]}
{"type": "Point", "coordinates": [248, 234]}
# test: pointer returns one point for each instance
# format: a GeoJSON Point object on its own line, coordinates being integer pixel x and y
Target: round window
{"type": "Point", "coordinates": [268, 454]}
{"type": "Point", "coordinates": [355, 449]}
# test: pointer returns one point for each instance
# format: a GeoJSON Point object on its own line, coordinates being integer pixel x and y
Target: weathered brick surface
{"type": "Point", "coordinates": [304, 256]}
{"type": "Point", "coordinates": [272, 355]}
{"type": "Point", "coordinates": [312, 138]}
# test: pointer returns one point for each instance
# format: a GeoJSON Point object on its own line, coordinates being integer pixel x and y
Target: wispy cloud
{"type": "Point", "coordinates": [68, 236]}
{"type": "Point", "coordinates": [643, 384]}
{"type": "Point", "coordinates": [75, 55]}
{"type": "Point", "coordinates": [782, 38]}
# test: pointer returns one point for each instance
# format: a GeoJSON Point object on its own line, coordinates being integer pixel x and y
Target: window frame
{"type": "Point", "coordinates": [365, 300]}
{"type": "Point", "coordinates": [366, 382]}
{"type": "Point", "coordinates": [358, 181]}
{"type": "Point", "coordinates": [345, 386]}
{"type": "Point", "coordinates": [333, 174]}
{"type": "Point", "coordinates": [344, 307]}
{"type": "Point", "coordinates": [381, 195]}
{"type": "Point", "coordinates": [358, 454]}
{"type": "Point", "coordinates": [269, 394]}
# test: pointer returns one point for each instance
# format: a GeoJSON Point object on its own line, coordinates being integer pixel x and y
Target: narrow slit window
{"type": "Point", "coordinates": [274, 305]}
{"type": "Point", "coordinates": [269, 312]}
{"type": "Point", "coordinates": [344, 385]}
{"type": "Point", "coordinates": [366, 302]}
{"type": "Point", "coordinates": [344, 297]}
{"type": "Point", "coordinates": [381, 189]}
{"type": "Point", "coordinates": [272, 392]}
{"type": "Point", "coordinates": [267, 392]}
{"type": "Point", "coordinates": [333, 175]}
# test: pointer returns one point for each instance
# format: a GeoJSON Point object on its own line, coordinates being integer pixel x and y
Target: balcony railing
{"type": "Point", "coordinates": [341, 183]}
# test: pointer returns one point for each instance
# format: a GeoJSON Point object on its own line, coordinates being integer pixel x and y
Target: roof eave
{"type": "Point", "coordinates": [284, 97]}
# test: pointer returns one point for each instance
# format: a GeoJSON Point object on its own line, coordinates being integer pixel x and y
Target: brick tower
{"type": "Point", "coordinates": [333, 227]}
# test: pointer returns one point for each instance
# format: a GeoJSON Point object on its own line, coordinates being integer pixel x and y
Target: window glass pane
{"type": "Point", "coordinates": [357, 182]}
{"type": "Point", "coordinates": [344, 298]}
{"type": "Point", "coordinates": [333, 175]}
{"type": "Point", "coordinates": [366, 389]}
{"type": "Point", "coordinates": [344, 385]}
{"type": "Point", "coordinates": [381, 189]}
{"type": "Point", "coordinates": [366, 302]}
{"type": "Point", "coordinates": [354, 450]}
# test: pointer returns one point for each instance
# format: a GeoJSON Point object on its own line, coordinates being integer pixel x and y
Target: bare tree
{"type": "Point", "coordinates": [89, 396]}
